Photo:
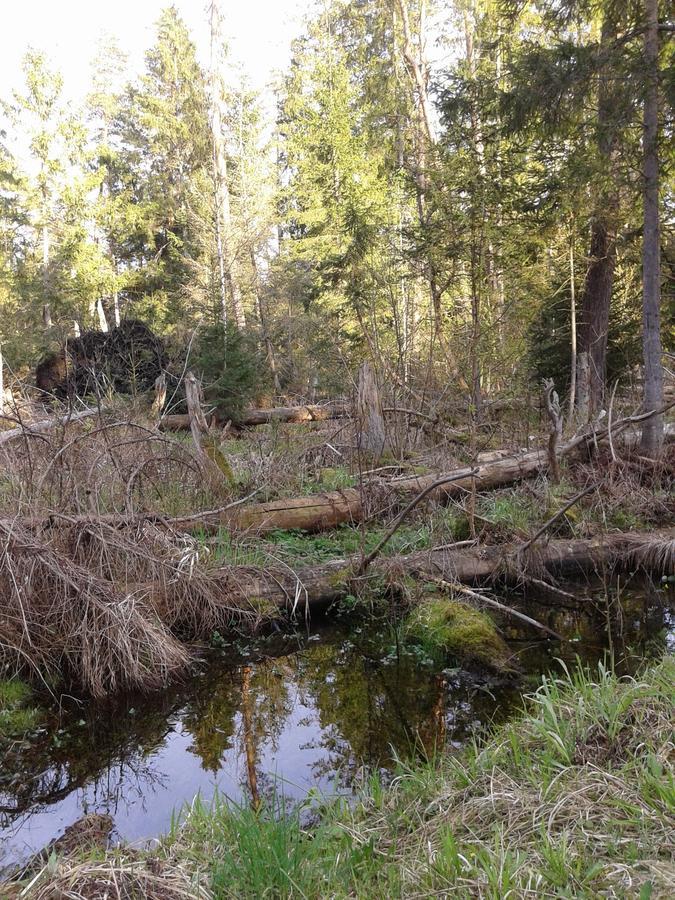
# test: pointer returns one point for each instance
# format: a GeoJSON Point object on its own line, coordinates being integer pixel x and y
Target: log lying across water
{"type": "Point", "coordinates": [315, 587]}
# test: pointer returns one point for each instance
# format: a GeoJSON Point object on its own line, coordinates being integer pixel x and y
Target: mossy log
{"type": "Point", "coordinates": [317, 586]}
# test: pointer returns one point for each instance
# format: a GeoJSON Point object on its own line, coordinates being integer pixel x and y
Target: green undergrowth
{"type": "Point", "coordinates": [445, 627]}
{"type": "Point", "coordinates": [17, 716]}
{"type": "Point", "coordinates": [574, 798]}
{"type": "Point", "coordinates": [301, 548]}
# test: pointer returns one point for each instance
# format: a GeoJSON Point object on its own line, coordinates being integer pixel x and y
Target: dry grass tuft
{"type": "Point", "coordinates": [119, 877]}
{"type": "Point", "coordinates": [56, 615]}
{"type": "Point", "coordinates": [107, 606]}
{"type": "Point", "coordinates": [657, 554]}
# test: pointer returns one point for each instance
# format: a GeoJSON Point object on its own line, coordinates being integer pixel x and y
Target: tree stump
{"type": "Point", "coordinates": [552, 403]}
{"type": "Point", "coordinates": [369, 416]}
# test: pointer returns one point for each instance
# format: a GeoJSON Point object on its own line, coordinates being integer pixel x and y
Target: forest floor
{"type": "Point", "coordinates": [110, 516]}
{"type": "Point", "coordinates": [573, 798]}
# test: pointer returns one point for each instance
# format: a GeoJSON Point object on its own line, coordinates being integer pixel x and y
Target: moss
{"type": "Point", "coordinates": [265, 607]}
{"type": "Point", "coordinates": [446, 626]}
{"type": "Point", "coordinates": [16, 717]}
{"type": "Point", "coordinates": [340, 577]}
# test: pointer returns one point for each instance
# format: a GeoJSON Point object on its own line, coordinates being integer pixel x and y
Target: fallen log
{"type": "Point", "coordinates": [250, 417]}
{"type": "Point", "coordinates": [38, 428]}
{"type": "Point", "coordinates": [315, 587]}
{"type": "Point", "coordinates": [493, 474]}
{"type": "Point", "coordinates": [318, 512]}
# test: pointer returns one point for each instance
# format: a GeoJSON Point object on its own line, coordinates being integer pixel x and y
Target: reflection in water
{"type": "Point", "coordinates": [313, 712]}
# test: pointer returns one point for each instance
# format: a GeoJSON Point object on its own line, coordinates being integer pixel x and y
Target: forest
{"type": "Point", "coordinates": [337, 509]}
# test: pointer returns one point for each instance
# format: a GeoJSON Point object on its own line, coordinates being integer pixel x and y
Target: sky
{"type": "Point", "coordinates": [259, 34]}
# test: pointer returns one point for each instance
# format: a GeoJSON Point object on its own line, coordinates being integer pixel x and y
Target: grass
{"type": "Point", "coordinates": [575, 798]}
{"type": "Point", "coordinates": [300, 548]}
{"type": "Point", "coordinates": [510, 513]}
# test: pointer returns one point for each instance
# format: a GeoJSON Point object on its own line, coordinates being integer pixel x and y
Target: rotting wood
{"type": "Point", "coordinates": [317, 586]}
{"type": "Point", "coordinates": [552, 405]}
{"type": "Point", "coordinates": [371, 434]}
{"type": "Point", "coordinates": [316, 512]}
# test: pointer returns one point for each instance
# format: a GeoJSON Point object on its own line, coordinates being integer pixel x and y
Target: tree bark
{"type": "Point", "coordinates": [317, 586]}
{"type": "Point", "coordinates": [369, 416]}
{"type": "Point", "coordinates": [573, 332]}
{"type": "Point", "coordinates": [198, 424]}
{"type": "Point", "coordinates": [597, 291]}
{"type": "Point", "coordinates": [652, 430]}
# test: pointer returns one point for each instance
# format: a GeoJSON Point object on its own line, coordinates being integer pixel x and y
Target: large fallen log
{"type": "Point", "coordinates": [314, 587]}
{"type": "Point", "coordinates": [317, 512]}
{"type": "Point", "coordinates": [495, 473]}
{"type": "Point", "coordinates": [295, 414]}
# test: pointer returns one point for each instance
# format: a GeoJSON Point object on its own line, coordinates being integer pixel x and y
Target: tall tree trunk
{"type": "Point", "coordinates": [652, 430]}
{"type": "Point", "coordinates": [573, 329]}
{"type": "Point", "coordinates": [418, 71]}
{"type": "Point", "coordinates": [597, 291]}
{"type": "Point", "coordinates": [230, 292]}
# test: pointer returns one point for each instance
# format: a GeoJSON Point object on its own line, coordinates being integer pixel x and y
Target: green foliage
{"type": "Point", "coordinates": [16, 716]}
{"type": "Point", "coordinates": [269, 852]}
{"type": "Point", "coordinates": [509, 513]}
{"type": "Point", "coordinates": [549, 336]}
{"type": "Point", "coordinates": [230, 367]}
{"type": "Point", "coordinates": [346, 540]}
{"type": "Point", "coordinates": [584, 763]}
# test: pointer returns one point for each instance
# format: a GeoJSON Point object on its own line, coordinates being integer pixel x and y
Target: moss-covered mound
{"type": "Point", "coordinates": [446, 626]}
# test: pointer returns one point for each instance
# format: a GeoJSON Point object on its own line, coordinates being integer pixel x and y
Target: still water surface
{"type": "Point", "coordinates": [315, 710]}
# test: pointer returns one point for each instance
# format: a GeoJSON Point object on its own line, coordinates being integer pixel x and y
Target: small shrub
{"type": "Point", "coordinates": [231, 368]}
